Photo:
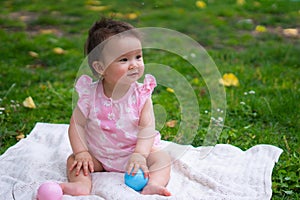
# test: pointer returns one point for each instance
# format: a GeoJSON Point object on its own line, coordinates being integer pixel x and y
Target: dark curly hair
{"type": "Point", "coordinates": [99, 32]}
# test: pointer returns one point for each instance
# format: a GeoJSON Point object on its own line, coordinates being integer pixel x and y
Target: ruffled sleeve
{"type": "Point", "coordinates": [83, 88]}
{"type": "Point", "coordinates": [146, 89]}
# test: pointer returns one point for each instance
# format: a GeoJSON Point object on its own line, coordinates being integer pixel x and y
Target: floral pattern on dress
{"type": "Point", "coordinates": [112, 125]}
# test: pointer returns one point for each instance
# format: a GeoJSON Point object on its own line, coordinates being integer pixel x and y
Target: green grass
{"type": "Point", "coordinates": [267, 63]}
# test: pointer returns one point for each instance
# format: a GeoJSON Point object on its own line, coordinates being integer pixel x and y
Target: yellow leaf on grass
{"type": "Point", "coordinates": [240, 2]}
{"type": "Point", "coordinates": [290, 32]}
{"type": "Point", "coordinates": [260, 29]}
{"type": "Point", "coordinates": [20, 136]}
{"type": "Point", "coordinates": [229, 79]}
{"type": "Point", "coordinates": [170, 90]}
{"type": "Point", "coordinates": [131, 16]}
{"type": "Point", "coordinates": [29, 103]}
{"type": "Point", "coordinates": [58, 50]}
{"type": "Point", "coordinates": [47, 31]}
{"type": "Point", "coordinates": [171, 123]}
{"type": "Point", "coordinates": [195, 81]}
{"type": "Point", "coordinates": [97, 8]}
{"type": "Point", "coordinates": [200, 4]}
{"type": "Point", "coordinates": [33, 54]}
{"type": "Point", "coordinates": [116, 14]}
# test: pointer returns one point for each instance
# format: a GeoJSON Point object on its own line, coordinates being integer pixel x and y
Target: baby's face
{"type": "Point", "coordinates": [123, 60]}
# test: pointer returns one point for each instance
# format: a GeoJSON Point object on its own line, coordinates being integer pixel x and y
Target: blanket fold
{"type": "Point", "coordinates": [219, 172]}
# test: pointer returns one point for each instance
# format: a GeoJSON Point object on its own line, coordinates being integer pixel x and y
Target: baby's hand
{"type": "Point", "coordinates": [135, 162]}
{"type": "Point", "coordinates": [83, 160]}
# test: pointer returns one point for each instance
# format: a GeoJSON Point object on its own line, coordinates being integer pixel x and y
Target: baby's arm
{"type": "Point", "coordinates": [145, 140]}
{"type": "Point", "coordinates": [83, 158]}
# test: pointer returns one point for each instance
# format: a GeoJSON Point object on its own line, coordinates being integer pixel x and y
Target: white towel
{"type": "Point", "coordinates": [219, 172]}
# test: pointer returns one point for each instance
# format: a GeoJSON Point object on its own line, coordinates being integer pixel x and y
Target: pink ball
{"type": "Point", "coordinates": [50, 191]}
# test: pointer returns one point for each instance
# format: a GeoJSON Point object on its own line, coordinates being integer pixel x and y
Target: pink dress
{"type": "Point", "coordinates": [112, 125]}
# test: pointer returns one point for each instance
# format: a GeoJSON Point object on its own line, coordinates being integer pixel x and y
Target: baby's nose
{"type": "Point", "coordinates": [133, 65]}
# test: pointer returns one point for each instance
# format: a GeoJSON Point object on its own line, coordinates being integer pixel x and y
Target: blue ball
{"type": "Point", "coordinates": [136, 182]}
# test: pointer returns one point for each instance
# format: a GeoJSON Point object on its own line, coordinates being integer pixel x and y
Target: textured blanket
{"type": "Point", "coordinates": [219, 172]}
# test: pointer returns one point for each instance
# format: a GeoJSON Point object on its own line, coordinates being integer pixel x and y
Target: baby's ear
{"type": "Point", "coordinates": [98, 67]}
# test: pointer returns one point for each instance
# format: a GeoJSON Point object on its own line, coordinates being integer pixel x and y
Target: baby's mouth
{"type": "Point", "coordinates": [135, 73]}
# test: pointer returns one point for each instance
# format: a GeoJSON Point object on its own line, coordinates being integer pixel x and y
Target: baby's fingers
{"type": "Point", "coordinates": [130, 168]}
{"type": "Point", "coordinates": [88, 166]}
{"type": "Point", "coordinates": [135, 169]}
{"type": "Point", "coordinates": [73, 165]}
{"type": "Point", "coordinates": [91, 166]}
{"type": "Point", "coordinates": [85, 168]}
{"type": "Point", "coordinates": [78, 167]}
{"type": "Point", "coordinates": [145, 170]}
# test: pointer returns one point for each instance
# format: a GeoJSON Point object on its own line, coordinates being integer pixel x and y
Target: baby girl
{"type": "Point", "coordinates": [112, 128]}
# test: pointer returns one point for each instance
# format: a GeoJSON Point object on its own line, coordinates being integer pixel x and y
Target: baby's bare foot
{"type": "Point", "coordinates": [156, 189]}
{"type": "Point", "coordinates": [75, 188]}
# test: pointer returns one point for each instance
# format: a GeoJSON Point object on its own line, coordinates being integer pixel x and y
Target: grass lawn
{"type": "Point", "coordinates": [42, 49]}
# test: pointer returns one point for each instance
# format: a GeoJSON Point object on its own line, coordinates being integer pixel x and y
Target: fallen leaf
{"type": "Point", "coordinates": [202, 92]}
{"type": "Point", "coordinates": [260, 29]}
{"type": "Point", "coordinates": [58, 50]}
{"type": "Point", "coordinates": [97, 8]}
{"type": "Point", "coordinates": [200, 4]}
{"type": "Point", "coordinates": [20, 136]}
{"type": "Point", "coordinates": [131, 16]}
{"type": "Point", "coordinates": [116, 14]}
{"type": "Point", "coordinates": [195, 81]}
{"type": "Point", "coordinates": [240, 2]}
{"type": "Point", "coordinates": [33, 54]}
{"type": "Point", "coordinates": [171, 123]}
{"type": "Point", "coordinates": [29, 103]}
{"type": "Point", "coordinates": [170, 90]}
{"type": "Point", "coordinates": [47, 31]}
{"type": "Point", "coordinates": [229, 79]}
{"type": "Point", "coordinates": [290, 32]}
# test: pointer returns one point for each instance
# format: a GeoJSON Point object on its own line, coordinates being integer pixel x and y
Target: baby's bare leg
{"type": "Point", "coordinates": [159, 164]}
{"type": "Point", "coordinates": [79, 184]}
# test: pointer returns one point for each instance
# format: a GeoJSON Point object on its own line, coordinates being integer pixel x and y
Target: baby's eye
{"type": "Point", "coordinates": [123, 60]}
{"type": "Point", "coordinates": [138, 56]}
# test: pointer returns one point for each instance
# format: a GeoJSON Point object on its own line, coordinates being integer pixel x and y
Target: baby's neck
{"type": "Point", "coordinates": [115, 91]}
